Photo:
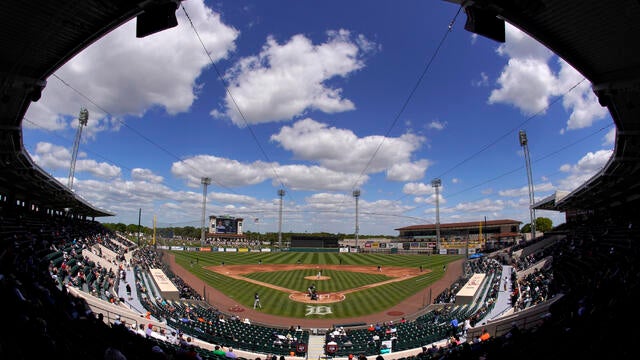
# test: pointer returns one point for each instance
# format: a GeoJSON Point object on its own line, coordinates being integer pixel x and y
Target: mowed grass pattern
{"type": "Point", "coordinates": [356, 304]}
{"type": "Point", "coordinates": [340, 280]}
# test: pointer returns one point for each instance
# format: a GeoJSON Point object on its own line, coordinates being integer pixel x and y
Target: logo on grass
{"type": "Point", "coordinates": [318, 310]}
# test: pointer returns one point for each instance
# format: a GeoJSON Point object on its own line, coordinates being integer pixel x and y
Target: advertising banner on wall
{"type": "Point", "coordinates": [231, 250]}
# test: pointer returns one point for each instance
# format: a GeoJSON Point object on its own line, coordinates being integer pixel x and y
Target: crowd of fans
{"type": "Point", "coordinates": [595, 268]}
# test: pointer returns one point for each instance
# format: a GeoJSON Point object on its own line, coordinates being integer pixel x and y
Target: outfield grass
{"type": "Point", "coordinates": [278, 303]}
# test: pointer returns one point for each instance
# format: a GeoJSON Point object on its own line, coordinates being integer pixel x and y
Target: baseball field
{"type": "Point", "coordinates": [348, 285]}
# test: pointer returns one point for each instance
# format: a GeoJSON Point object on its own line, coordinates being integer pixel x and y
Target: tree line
{"type": "Point", "coordinates": [191, 233]}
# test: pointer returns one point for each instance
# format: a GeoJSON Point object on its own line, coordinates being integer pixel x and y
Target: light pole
{"type": "Point", "coordinates": [83, 119]}
{"type": "Point", "coordinates": [532, 212]}
{"type": "Point", "coordinates": [205, 181]}
{"type": "Point", "coordinates": [436, 183]}
{"type": "Point", "coordinates": [356, 195]}
{"type": "Point", "coordinates": [281, 195]}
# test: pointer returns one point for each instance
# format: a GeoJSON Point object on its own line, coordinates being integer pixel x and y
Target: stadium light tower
{"type": "Point", "coordinates": [436, 183]}
{"type": "Point", "coordinates": [205, 181]}
{"type": "Point", "coordinates": [356, 195]}
{"type": "Point", "coordinates": [532, 212]}
{"type": "Point", "coordinates": [83, 118]}
{"type": "Point", "coordinates": [281, 195]}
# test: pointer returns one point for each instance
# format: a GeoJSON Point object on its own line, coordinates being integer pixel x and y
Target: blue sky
{"type": "Point", "coordinates": [319, 99]}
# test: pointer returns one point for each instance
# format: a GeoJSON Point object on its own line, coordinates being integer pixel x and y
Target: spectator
{"type": "Point", "coordinates": [230, 354]}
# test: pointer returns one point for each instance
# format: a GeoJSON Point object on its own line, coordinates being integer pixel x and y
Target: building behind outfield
{"type": "Point", "coordinates": [455, 237]}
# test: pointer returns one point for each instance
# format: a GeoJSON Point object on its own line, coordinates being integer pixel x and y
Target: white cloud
{"type": "Point", "coordinates": [483, 81]}
{"type": "Point", "coordinates": [145, 175]}
{"type": "Point", "coordinates": [484, 205]}
{"type": "Point", "coordinates": [408, 171]}
{"type": "Point", "coordinates": [528, 82]}
{"type": "Point", "coordinates": [418, 189]}
{"type": "Point", "coordinates": [54, 157]}
{"type": "Point", "coordinates": [421, 189]}
{"type": "Point", "coordinates": [522, 46]}
{"type": "Point", "coordinates": [586, 167]}
{"type": "Point", "coordinates": [127, 76]}
{"type": "Point", "coordinates": [50, 156]}
{"type": "Point", "coordinates": [286, 80]}
{"type": "Point", "coordinates": [437, 125]}
{"type": "Point", "coordinates": [610, 137]}
{"type": "Point", "coordinates": [341, 150]}
{"type": "Point", "coordinates": [223, 172]}
{"type": "Point", "coordinates": [316, 178]}
{"type": "Point", "coordinates": [581, 101]}
{"type": "Point", "coordinates": [544, 187]}
{"type": "Point", "coordinates": [430, 200]}
{"type": "Point", "coordinates": [228, 173]}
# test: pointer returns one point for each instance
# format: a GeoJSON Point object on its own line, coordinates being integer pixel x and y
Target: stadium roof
{"type": "Point", "coordinates": [598, 38]}
{"type": "Point", "coordinates": [37, 38]}
{"type": "Point", "coordinates": [549, 203]}
{"type": "Point", "coordinates": [463, 225]}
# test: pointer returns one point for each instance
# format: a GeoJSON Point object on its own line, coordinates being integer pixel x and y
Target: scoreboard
{"type": "Point", "coordinates": [225, 225]}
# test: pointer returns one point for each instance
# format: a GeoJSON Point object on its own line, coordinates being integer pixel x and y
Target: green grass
{"type": "Point", "coordinates": [295, 279]}
{"type": "Point", "coordinates": [278, 303]}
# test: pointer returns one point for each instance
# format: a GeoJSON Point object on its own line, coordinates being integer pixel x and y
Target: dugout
{"type": "Point", "coordinates": [313, 241]}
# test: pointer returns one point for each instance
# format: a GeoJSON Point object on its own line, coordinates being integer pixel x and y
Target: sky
{"type": "Point", "coordinates": [318, 99]}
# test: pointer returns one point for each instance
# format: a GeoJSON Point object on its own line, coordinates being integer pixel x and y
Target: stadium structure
{"type": "Point", "coordinates": [459, 237]}
{"type": "Point", "coordinates": [48, 233]}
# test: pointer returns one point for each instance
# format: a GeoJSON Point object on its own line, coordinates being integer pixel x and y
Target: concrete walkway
{"type": "Point", "coordinates": [315, 349]}
{"type": "Point", "coordinates": [503, 302]}
{"type": "Point", "coordinates": [133, 302]}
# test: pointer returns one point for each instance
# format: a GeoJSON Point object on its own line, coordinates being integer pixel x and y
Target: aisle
{"type": "Point", "coordinates": [315, 350]}
{"type": "Point", "coordinates": [503, 302]}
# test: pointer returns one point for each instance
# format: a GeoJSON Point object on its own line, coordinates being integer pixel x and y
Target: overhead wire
{"type": "Point", "coordinates": [503, 136]}
{"type": "Point", "coordinates": [544, 157]}
{"type": "Point", "coordinates": [233, 100]}
{"type": "Point", "coordinates": [135, 131]}
{"type": "Point", "coordinates": [407, 100]}
{"type": "Point", "coordinates": [87, 150]}
{"type": "Point", "coordinates": [511, 131]}
{"type": "Point", "coordinates": [97, 155]}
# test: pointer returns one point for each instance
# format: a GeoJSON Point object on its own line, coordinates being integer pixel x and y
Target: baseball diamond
{"type": "Point", "coordinates": [351, 288]}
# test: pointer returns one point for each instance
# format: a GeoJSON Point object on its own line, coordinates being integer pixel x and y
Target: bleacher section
{"type": "Point", "coordinates": [602, 256]}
